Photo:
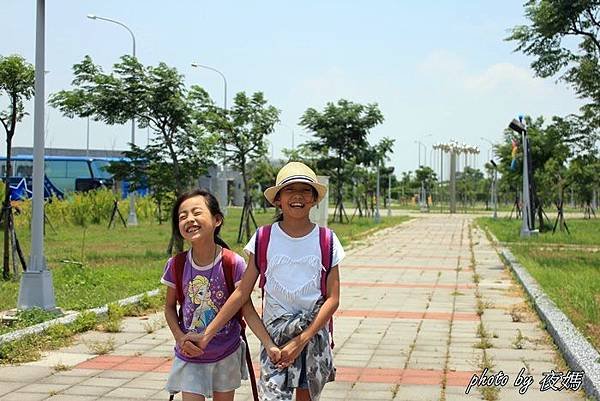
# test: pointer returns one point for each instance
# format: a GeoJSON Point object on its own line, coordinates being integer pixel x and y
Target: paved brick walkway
{"type": "Point", "coordinates": [424, 307]}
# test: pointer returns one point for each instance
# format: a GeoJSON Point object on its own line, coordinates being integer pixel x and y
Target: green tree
{"type": "Point", "coordinates": [373, 159]}
{"type": "Point", "coordinates": [583, 175]}
{"type": "Point", "coordinates": [469, 183]}
{"type": "Point", "coordinates": [341, 133]}
{"type": "Point", "coordinates": [427, 177]}
{"type": "Point", "coordinates": [157, 97]}
{"type": "Point", "coordinates": [554, 27]}
{"type": "Point", "coordinates": [17, 84]}
{"type": "Point", "coordinates": [244, 130]}
{"type": "Point", "coordinates": [302, 153]}
{"type": "Point", "coordinates": [264, 174]}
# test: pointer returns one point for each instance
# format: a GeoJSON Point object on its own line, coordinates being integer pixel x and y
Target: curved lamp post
{"type": "Point", "coordinates": [132, 218]}
{"type": "Point", "coordinates": [196, 65]}
{"type": "Point", "coordinates": [221, 174]}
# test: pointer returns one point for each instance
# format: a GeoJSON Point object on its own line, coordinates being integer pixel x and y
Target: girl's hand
{"type": "Point", "coordinates": [203, 341]}
{"type": "Point", "coordinates": [186, 345]}
{"type": "Point", "coordinates": [193, 337]}
{"type": "Point", "coordinates": [190, 350]}
{"type": "Point", "coordinates": [273, 352]}
{"type": "Point", "coordinates": [290, 352]}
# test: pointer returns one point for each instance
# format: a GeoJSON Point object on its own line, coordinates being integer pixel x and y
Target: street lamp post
{"type": "Point", "coordinates": [132, 218]}
{"type": "Point", "coordinates": [221, 173]}
{"type": "Point", "coordinates": [493, 187]}
{"type": "Point", "coordinates": [377, 215]}
{"type": "Point", "coordinates": [36, 289]}
{"type": "Point", "coordinates": [422, 198]}
{"type": "Point", "coordinates": [390, 193]}
{"type": "Point", "coordinates": [454, 149]}
{"type": "Point", "coordinates": [196, 65]}
{"type": "Point", "coordinates": [291, 129]}
{"type": "Point", "coordinates": [519, 127]}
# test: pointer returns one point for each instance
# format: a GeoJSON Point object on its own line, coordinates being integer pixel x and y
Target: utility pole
{"type": "Point", "coordinates": [36, 289]}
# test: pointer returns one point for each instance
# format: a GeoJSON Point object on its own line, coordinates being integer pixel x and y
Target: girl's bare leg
{"type": "Point", "coordinates": [192, 397]}
{"type": "Point", "coordinates": [223, 396]}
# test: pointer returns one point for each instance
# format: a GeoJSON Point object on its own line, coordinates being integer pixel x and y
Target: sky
{"type": "Point", "coordinates": [438, 70]}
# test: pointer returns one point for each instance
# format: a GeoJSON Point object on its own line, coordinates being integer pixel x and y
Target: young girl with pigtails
{"type": "Point", "coordinates": [200, 280]}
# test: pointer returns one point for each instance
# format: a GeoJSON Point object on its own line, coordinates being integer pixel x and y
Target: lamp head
{"type": "Point", "coordinates": [194, 64]}
{"type": "Point", "coordinates": [517, 126]}
{"type": "Point", "coordinates": [493, 163]}
{"type": "Point", "coordinates": [92, 16]}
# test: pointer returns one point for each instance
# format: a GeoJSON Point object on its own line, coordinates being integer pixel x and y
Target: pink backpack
{"type": "Point", "coordinates": [263, 236]}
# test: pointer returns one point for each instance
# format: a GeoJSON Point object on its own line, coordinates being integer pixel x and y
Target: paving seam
{"type": "Point", "coordinates": [413, 345]}
{"type": "Point", "coordinates": [449, 341]}
{"type": "Point", "coordinates": [481, 325]}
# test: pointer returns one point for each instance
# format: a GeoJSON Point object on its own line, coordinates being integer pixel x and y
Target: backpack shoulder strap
{"type": "Point", "coordinates": [263, 236]}
{"type": "Point", "coordinates": [178, 266]}
{"type": "Point", "coordinates": [228, 264]}
{"type": "Point", "coordinates": [326, 245]}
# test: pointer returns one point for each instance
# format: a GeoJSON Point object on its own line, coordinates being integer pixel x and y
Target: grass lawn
{"type": "Point", "coordinates": [566, 266]}
{"type": "Point", "coordinates": [120, 262]}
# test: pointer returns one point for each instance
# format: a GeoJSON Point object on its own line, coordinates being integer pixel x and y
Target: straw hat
{"type": "Point", "coordinates": [294, 172]}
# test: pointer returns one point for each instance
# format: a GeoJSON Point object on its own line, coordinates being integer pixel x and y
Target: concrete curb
{"type": "Point", "coordinates": [578, 352]}
{"type": "Point", "coordinates": [70, 318]}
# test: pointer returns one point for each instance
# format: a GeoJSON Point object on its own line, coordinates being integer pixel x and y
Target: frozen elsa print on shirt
{"type": "Point", "coordinates": [205, 311]}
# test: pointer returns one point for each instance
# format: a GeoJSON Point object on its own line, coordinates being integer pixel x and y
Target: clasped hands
{"type": "Point", "coordinates": [192, 345]}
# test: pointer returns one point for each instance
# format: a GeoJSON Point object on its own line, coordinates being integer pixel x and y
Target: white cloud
{"type": "Point", "coordinates": [501, 75]}
{"type": "Point", "coordinates": [444, 63]}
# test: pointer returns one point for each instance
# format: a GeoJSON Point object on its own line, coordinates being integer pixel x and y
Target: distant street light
{"type": "Point", "coordinates": [494, 174]}
{"type": "Point", "coordinates": [455, 149]}
{"type": "Point", "coordinates": [491, 149]}
{"type": "Point", "coordinates": [389, 171]}
{"type": "Point", "coordinates": [377, 215]}
{"type": "Point", "coordinates": [494, 188]}
{"type": "Point", "coordinates": [291, 129]}
{"type": "Point", "coordinates": [132, 218]}
{"type": "Point", "coordinates": [424, 152]}
{"type": "Point", "coordinates": [196, 65]}
{"type": "Point", "coordinates": [221, 173]}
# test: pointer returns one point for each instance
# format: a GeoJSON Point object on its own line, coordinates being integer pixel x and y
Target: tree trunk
{"type": "Point", "coordinates": [338, 201]}
{"type": "Point", "coordinates": [244, 228]}
{"type": "Point", "coordinates": [561, 221]}
{"type": "Point", "coordinates": [6, 207]}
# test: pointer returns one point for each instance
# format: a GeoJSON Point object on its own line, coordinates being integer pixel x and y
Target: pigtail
{"type": "Point", "coordinates": [221, 242]}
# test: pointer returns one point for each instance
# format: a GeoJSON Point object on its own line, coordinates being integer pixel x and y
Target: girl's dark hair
{"type": "Point", "coordinates": [279, 214]}
{"type": "Point", "coordinates": [213, 207]}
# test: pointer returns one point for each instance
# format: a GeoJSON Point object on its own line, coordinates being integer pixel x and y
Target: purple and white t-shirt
{"type": "Point", "coordinates": [205, 293]}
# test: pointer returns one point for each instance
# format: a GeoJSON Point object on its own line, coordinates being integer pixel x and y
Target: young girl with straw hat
{"type": "Point", "coordinates": [301, 289]}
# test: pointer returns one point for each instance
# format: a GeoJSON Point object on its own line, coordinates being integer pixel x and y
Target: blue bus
{"type": "Point", "coordinates": [63, 174]}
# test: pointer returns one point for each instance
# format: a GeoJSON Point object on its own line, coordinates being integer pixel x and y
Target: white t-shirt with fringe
{"type": "Point", "coordinates": [293, 271]}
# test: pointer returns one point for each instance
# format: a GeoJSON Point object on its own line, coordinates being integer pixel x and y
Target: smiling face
{"type": "Point", "coordinates": [196, 222]}
{"type": "Point", "coordinates": [295, 200]}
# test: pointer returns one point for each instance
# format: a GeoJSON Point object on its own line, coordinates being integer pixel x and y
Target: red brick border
{"type": "Point", "coordinates": [344, 374]}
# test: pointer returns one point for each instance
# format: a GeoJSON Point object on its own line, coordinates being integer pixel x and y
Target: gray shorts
{"type": "Point", "coordinates": [204, 378]}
